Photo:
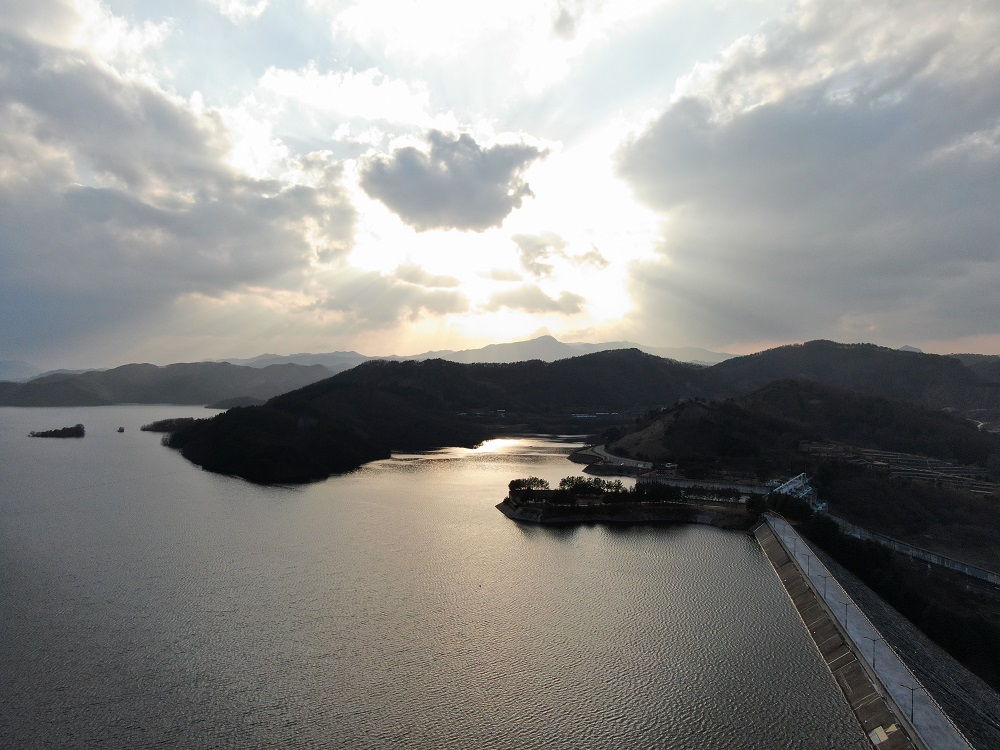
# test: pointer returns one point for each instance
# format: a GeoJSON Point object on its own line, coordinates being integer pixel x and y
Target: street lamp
{"type": "Point", "coordinates": [824, 577]}
{"type": "Point", "coordinates": [875, 640]}
{"type": "Point", "coordinates": [912, 690]}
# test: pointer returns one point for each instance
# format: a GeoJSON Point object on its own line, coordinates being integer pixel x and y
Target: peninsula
{"type": "Point", "coordinates": [586, 500]}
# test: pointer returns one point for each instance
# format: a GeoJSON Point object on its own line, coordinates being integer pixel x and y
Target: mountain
{"type": "Point", "coordinates": [544, 348]}
{"type": "Point", "coordinates": [550, 349]}
{"type": "Point", "coordinates": [15, 370]}
{"type": "Point", "coordinates": [985, 365]}
{"type": "Point", "coordinates": [364, 413]}
{"type": "Point", "coordinates": [193, 383]}
{"type": "Point", "coordinates": [333, 361]}
{"type": "Point", "coordinates": [932, 380]}
{"type": "Point", "coordinates": [765, 427]}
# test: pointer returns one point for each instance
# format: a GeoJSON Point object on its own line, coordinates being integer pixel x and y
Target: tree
{"type": "Point", "coordinates": [590, 486]}
{"type": "Point", "coordinates": [528, 483]}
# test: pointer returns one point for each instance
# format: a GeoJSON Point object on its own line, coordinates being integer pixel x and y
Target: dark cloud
{"type": "Point", "coordinates": [836, 178]}
{"type": "Point", "coordinates": [457, 184]}
{"type": "Point", "coordinates": [530, 298]}
{"type": "Point", "coordinates": [118, 201]}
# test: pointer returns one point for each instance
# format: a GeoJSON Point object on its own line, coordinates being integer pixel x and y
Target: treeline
{"type": "Point", "coordinates": [953, 522]}
{"type": "Point", "coordinates": [873, 422]}
{"type": "Point", "coordinates": [761, 432]}
{"type": "Point", "coordinates": [76, 431]}
{"type": "Point", "coordinates": [571, 489]}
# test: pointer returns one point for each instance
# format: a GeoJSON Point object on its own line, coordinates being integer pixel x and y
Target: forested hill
{"type": "Point", "coordinates": [764, 428]}
{"type": "Point", "coordinates": [932, 380]}
{"type": "Point", "coordinates": [985, 365]}
{"type": "Point", "coordinates": [620, 379]}
{"type": "Point", "coordinates": [364, 413]}
{"type": "Point", "coordinates": [186, 383]}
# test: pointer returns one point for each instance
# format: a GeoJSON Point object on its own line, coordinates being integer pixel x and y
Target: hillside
{"type": "Point", "coordinates": [193, 383]}
{"type": "Point", "coordinates": [364, 413]}
{"type": "Point", "coordinates": [765, 426]}
{"type": "Point", "coordinates": [985, 365]}
{"type": "Point", "coordinates": [931, 380]}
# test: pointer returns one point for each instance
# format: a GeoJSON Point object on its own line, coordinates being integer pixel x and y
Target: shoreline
{"type": "Point", "coordinates": [723, 518]}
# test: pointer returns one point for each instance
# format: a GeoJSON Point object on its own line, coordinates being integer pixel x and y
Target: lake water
{"type": "Point", "coordinates": [147, 603]}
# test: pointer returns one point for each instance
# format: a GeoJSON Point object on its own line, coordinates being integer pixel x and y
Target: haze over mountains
{"type": "Point", "coordinates": [545, 348]}
{"type": "Point", "coordinates": [195, 383]}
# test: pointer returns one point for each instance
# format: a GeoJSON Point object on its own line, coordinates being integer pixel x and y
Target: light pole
{"type": "Point", "coordinates": [824, 577]}
{"type": "Point", "coordinates": [912, 691]}
{"type": "Point", "coordinates": [808, 560]}
{"type": "Point", "coordinates": [875, 640]}
{"type": "Point", "coordinates": [846, 604]}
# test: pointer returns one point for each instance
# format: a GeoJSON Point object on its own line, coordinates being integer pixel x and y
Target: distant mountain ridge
{"type": "Point", "coordinates": [186, 383]}
{"type": "Point", "coordinates": [934, 381]}
{"type": "Point", "coordinates": [544, 348]}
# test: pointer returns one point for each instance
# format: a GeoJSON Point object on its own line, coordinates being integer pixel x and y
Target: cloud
{"type": "Point", "coordinates": [537, 250]}
{"type": "Point", "coordinates": [414, 274]}
{"type": "Point", "coordinates": [457, 184]}
{"type": "Point", "coordinates": [504, 274]}
{"type": "Point", "coordinates": [119, 200]}
{"type": "Point", "coordinates": [367, 95]}
{"type": "Point", "coordinates": [592, 257]}
{"type": "Point", "coordinates": [830, 176]}
{"type": "Point", "coordinates": [366, 300]}
{"type": "Point", "coordinates": [531, 298]}
{"type": "Point", "coordinates": [238, 11]}
{"type": "Point", "coordinates": [567, 18]}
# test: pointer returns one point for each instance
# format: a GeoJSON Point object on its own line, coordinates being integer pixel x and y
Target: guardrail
{"type": "Point", "coordinates": [917, 553]}
{"type": "Point", "coordinates": [933, 725]}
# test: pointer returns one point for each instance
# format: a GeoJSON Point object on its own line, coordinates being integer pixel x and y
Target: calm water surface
{"type": "Point", "coordinates": [147, 603]}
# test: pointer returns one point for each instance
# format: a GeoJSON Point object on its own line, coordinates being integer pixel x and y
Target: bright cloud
{"type": "Point", "coordinates": [240, 10]}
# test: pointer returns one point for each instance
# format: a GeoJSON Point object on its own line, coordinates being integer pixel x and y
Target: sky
{"type": "Point", "coordinates": [223, 178]}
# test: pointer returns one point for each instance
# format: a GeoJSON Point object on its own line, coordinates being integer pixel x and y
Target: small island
{"type": "Point", "coordinates": [76, 431]}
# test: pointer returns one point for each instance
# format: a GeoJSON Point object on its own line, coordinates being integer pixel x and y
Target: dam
{"type": "Point", "coordinates": [893, 708]}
